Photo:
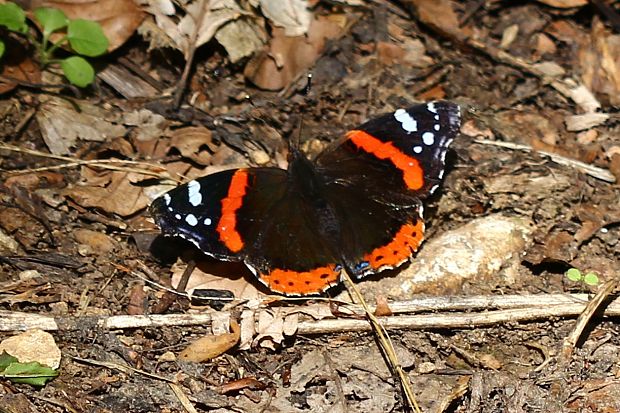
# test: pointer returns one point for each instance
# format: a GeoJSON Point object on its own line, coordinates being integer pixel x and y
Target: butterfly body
{"type": "Point", "coordinates": [356, 207]}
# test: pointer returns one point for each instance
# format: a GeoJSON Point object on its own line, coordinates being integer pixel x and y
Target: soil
{"type": "Point", "coordinates": [78, 244]}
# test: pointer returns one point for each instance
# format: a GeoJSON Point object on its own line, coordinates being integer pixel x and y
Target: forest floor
{"type": "Point", "coordinates": [484, 318]}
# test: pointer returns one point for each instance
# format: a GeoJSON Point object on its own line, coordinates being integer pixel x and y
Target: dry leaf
{"type": "Point", "coordinates": [219, 276]}
{"type": "Point", "coordinates": [241, 38]}
{"type": "Point", "coordinates": [437, 14]}
{"type": "Point", "coordinates": [17, 65]}
{"type": "Point", "coordinates": [245, 383]}
{"type": "Point", "coordinates": [119, 19]}
{"type": "Point", "coordinates": [292, 15]}
{"type": "Point", "coordinates": [61, 125]}
{"type": "Point", "coordinates": [200, 23]}
{"type": "Point", "coordinates": [119, 197]}
{"type": "Point", "coordinates": [288, 57]}
{"type": "Point", "coordinates": [195, 143]}
{"type": "Point", "coordinates": [211, 346]}
{"type": "Point", "coordinates": [564, 4]}
{"type": "Point", "coordinates": [599, 60]}
{"type": "Point", "coordinates": [98, 242]}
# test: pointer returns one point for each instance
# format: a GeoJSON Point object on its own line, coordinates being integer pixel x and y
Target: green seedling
{"type": "Point", "coordinates": [33, 373]}
{"type": "Point", "coordinates": [84, 37]}
{"type": "Point", "coordinates": [589, 278]}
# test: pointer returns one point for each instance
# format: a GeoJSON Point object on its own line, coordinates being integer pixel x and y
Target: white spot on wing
{"type": "Point", "coordinates": [436, 127]}
{"type": "Point", "coordinates": [195, 197]}
{"type": "Point", "coordinates": [417, 149]}
{"type": "Point", "coordinates": [167, 199]}
{"type": "Point", "coordinates": [406, 121]}
{"type": "Point", "coordinates": [208, 221]}
{"type": "Point", "coordinates": [428, 138]}
{"type": "Point", "coordinates": [178, 216]}
{"type": "Point", "coordinates": [191, 220]}
{"type": "Point", "coordinates": [431, 107]}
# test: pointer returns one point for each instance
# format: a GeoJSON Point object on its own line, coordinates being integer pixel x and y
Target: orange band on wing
{"type": "Point", "coordinates": [412, 171]}
{"type": "Point", "coordinates": [301, 282]}
{"type": "Point", "coordinates": [405, 242]}
{"type": "Point", "coordinates": [227, 227]}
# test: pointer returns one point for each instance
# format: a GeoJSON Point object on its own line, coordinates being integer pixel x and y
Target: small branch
{"type": "Point", "coordinates": [584, 318]}
{"type": "Point", "coordinates": [596, 172]}
{"type": "Point", "coordinates": [478, 311]}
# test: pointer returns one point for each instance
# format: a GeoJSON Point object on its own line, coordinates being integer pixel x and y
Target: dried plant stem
{"type": "Point", "coordinates": [386, 345]}
{"type": "Point", "coordinates": [596, 172]}
{"type": "Point", "coordinates": [477, 311]}
{"type": "Point", "coordinates": [112, 164]}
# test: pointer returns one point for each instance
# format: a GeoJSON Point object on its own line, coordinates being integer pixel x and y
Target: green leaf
{"type": "Point", "coordinates": [33, 373]}
{"type": "Point", "coordinates": [5, 360]}
{"type": "Point", "coordinates": [13, 17]}
{"type": "Point", "coordinates": [2, 48]}
{"type": "Point", "coordinates": [78, 71]}
{"type": "Point", "coordinates": [591, 279]}
{"type": "Point", "coordinates": [51, 19]}
{"type": "Point", "coordinates": [574, 274]}
{"type": "Point", "coordinates": [86, 37]}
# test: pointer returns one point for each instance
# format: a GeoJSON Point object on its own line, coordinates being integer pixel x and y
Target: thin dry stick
{"type": "Point", "coordinates": [482, 312]}
{"type": "Point", "coordinates": [596, 172]}
{"type": "Point", "coordinates": [504, 57]}
{"type": "Point", "coordinates": [386, 345]}
{"type": "Point", "coordinates": [183, 399]}
{"type": "Point", "coordinates": [73, 162]}
{"type": "Point", "coordinates": [191, 51]}
{"type": "Point", "coordinates": [176, 389]}
{"type": "Point", "coordinates": [584, 318]}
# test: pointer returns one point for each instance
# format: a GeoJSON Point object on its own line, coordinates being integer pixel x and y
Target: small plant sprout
{"type": "Point", "coordinates": [83, 37]}
{"type": "Point", "coordinates": [590, 278]}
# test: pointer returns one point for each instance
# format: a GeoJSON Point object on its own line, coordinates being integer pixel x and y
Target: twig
{"type": "Point", "coordinates": [386, 345]}
{"type": "Point", "coordinates": [73, 162]}
{"type": "Point", "coordinates": [124, 368]}
{"type": "Point", "coordinates": [502, 56]}
{"type": "Point", "coordinates": [189, 56]}
{"type": "Point", "coordinates": [478, 311]}
{"type": "Point", "coordinates": [183, 399]}
{"type": "Point", "coordinates": [584, 318]}
{"type": "Point", "coordinates": [596, 172]}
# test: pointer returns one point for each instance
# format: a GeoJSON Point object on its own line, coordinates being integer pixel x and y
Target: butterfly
{"type": "Point", "coordinates": [356, 207]}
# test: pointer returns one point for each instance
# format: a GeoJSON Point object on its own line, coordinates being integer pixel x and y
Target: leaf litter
{"type": "Point", "coordinates": [539, 77]}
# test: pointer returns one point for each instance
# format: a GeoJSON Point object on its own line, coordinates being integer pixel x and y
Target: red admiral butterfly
{"type": "Point", "coordinates": [357, 206]}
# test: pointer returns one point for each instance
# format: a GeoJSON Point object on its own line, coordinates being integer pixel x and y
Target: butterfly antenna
{"type": "Point", "coordinates": [306, 93]}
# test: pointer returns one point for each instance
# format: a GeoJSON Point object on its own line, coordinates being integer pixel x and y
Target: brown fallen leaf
{"type": "Point", "coordinates": [119, 19]}
{"type": "Point", "coordinates": [383, 307]}
{"type": "Point", "coordinates": [16, 65]}
{"type": "Point", "coordinates": [599, 61]}
{"type": "Point", "coordinates": [119, 197]}
{"type": "Point", "coordinates": [208, 347]}
{"type": "Point", "coordinates": [244, 383]}
{"type": "Point", "coordinates": [195, 143]}
{"type": "Point", "coordinates": [438, 15]}
{"type": "Point", "coordinates": [287, 57]}
{"type": "Point", "coordinates": [62, 125]}
{"type": "Point", "coordinates": [193, 27]}
{"type": "Point", "coordinates": [98, 242]}
{"type": "Point", "coordinates": [564, 4]}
